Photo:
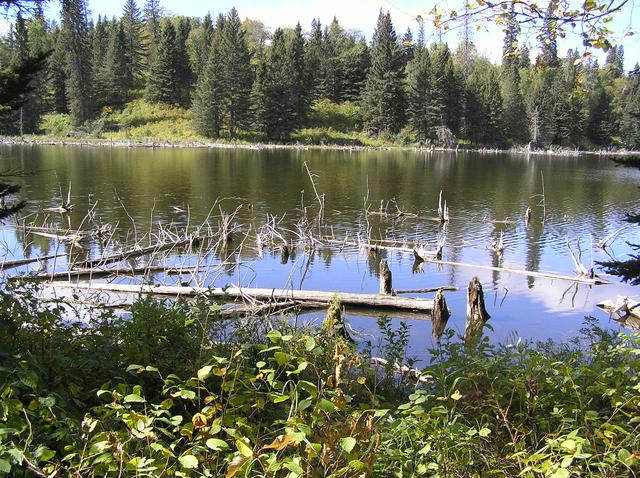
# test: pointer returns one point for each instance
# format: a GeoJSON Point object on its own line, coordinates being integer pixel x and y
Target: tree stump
{"type": "Point", "coordinates": [334, 324]}
{"type": "Point", "coordinates": [439, 316]}
{"type": "Point", "coordinates": [527, 216]}
{"type": "Point", "coordinates": [385, 278]}
{"type": "Point", "coordinates": [477, 314]}
{"type": "Point", "coordinates": [284, 257]}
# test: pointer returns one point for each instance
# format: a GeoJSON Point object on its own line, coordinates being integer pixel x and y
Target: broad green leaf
{"type": "Point", "coordinates": [188, 461]}
{"type": "Point", "coordinates": [484, 432]}
{"type": "Point", "coordinates": [243, 448]}
{"type": "Point", "coordinates": [216, 444]}
{"type": "Point", "coordinates": [560, 473]}
{"type": "Point", "coordinates": [326, 406]}
{"type": "Point", "coordinates": [347, 444]}
{"type": "Point", "coordinates": [310, 344]}
{"type": "Point", "coordinates": [5, 466]}
{"type": "Point", "coordinates": [133, 398]}
{"type": "Point", "coordinates": [204, 372]}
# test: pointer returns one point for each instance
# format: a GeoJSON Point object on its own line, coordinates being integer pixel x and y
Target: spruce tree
{"type": "Point", "coordinates": [134, 53]}
{"type": "Point", "coordinates": [630, 114]}
{"type": "Point", "coordinates": [295, 47]}
{"type": "Point", "coordinates": [313, 58]}
{"type": "Point", "coordinates": [355, 63]}
{"type": "Point", "coordinates": [209, 93]}
{"type": "Point", "coordinates": [279, 105]}
{"type": "Point", "coordinates": [419, 90]}
{"type": "Point", "coordinates": [184, 75]}
{"type": "Point", "coordinates": [75, 37]}
{"type": "Point", "coordinates": [549, 40]}
{"type": "Point", "coordinates": [152, 14]}
{"type": "Point", "coordinates": [56, 73]}
{"type": "Point", "coordinates": [237, 73]}
{"type": "Point", "coordinates": [198, 45]}
{"type": "Point", "coordinates": [117, 66]}
{"type": "Point", "coordinates": [447, 90]}
{"type": "Point", "coordinates": [162, 86]}
{"type": "Point", "coordinates": [383, 97]}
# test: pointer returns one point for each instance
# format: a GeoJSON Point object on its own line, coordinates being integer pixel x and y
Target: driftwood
{"type": "Point", "coordinates": [386, 287]}
{"type": "Point", "coordinates": [379, 247]}
{"type": "Point", "coordinates": [299, 296]}
{"type": "Point", "coordinates": [443, 210]}
{"type": "Point", "coordinates": [527, 216]}
{"type": "Point", "coordinates": [547, 275]}
{"type": "Point", "coordinates": [623, 310]}
{"type": "Point", "coordinates": [23, 262]}
{"type": "Point", "coordinates": [439, 316]}
{"type": "Point", "coordinates": [477, 314]}
{"type": "Point", "coordinates": [451, 288]}
{"type": "Point", "coordinates": [603, 243]}
{"type": "Point", "coordinates": [130, 254]}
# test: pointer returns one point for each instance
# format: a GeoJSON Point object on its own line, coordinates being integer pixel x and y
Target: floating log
{"type": "Point", "coordinates": [360, 300]}
{"type": "Point", "coordinates": [546, 275]}
{"type": "Point", "coordinates": [386, 287]}
{"type": "Point", "coordinates": [379, 247]}
{"type": "Point", "coordinates": [439, 316]}
{"type": "Point", "coordinates": [125, 255]}
{"type": "Point", "coordinates": [623, 310]}
{"type": "Point", "coordinates": [23, 262]}
{"type": "Point", "coordinates": [426, 291]}
{"type": "Point", "coordinates": [477, 314]}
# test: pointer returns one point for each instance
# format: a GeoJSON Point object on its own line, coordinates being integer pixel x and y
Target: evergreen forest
{"type": "Point", "coordinates": [236, 80]}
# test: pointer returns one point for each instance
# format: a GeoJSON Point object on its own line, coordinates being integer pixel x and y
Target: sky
{"type": "Point", "coordinates": [361, 15]}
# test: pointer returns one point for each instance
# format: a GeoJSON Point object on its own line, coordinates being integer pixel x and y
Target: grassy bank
{"type": "Point", "coordinates": [171, 392]}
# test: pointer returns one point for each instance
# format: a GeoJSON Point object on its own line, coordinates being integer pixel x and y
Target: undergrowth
{"type": "Point", "coordinates": [172, 390]}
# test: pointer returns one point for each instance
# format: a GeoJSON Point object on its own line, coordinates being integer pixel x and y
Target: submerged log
{"type": "Point", "coordinates": [300, 296]}
{"type": "Point", "coordinates": [477, 314]}
{"type": "Point", "coordinates": [23, 262]}
{"type": "Point", "coordinates": [547, 275]}
{"type": "Point", "coordinates": [386, 287]}
{"type": "Point", "coordinates": [439, 316]}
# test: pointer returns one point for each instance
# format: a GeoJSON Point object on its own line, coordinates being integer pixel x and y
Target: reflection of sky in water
{"type": "Point", "coordinates": [586, 199]}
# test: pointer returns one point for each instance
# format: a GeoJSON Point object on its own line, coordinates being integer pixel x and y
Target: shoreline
{"type": "Point", "coordinates": [133, 143]}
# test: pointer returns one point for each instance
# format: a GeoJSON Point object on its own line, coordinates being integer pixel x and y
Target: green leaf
{"type": "Point", "coordinates": [326, 406]}
{"type": "Point", "coordinates": [5, 466]}
{"type": "Point", "coordinates": [188, 461]}
{"type": "Point", "coordinates": [310, 344]}
{"type": "Point", "coordinates": [484, 432]}
{"type": "Point", "coordinates": [204, 372]}
{"type": "Point", "coordinates": [347, 444]}
{"type": "Point", "coordinates": [133, 398]}
{"type": "Point", "coordinates": [560, 473]}
{"type": "Point", "coordinates": [216, 444]}
{"type": "Point", "coordinates": [243, 448]}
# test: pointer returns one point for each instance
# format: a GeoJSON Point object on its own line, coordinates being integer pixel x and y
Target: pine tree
{"type": "Point", "coordinates": [355, 65]}
{"type": "Point", "coordinates": [75, 36]}
{"type": "Point", "coordinates": [152, 14]}
{"type": "Point", "coordinates": [549, 40]}
{"type": "Point", "coordinates": [383, 96]}
{"type": "Point", "coordinates": [510, 42]}
{"type": "Point", "coordinates": [134, 52]}
{"type": "Point", "coordinates": [296, 47]}
{"type": "Point", "coordinates": [117, 66]}
{"type": "Point", "coordinates": [630, 115]}
{"type": "Point", "coordinates": [99, 47]}
{"type": "Point", "coordinates": [209, 93]}
{"type": "Point", "coordinates": [198, 45]}
{"type": "Point", "coordinates": [515, 121]}
{"type": "Point", "coordinates": [313, 58]}
{"type": "Point", "coordinates": [614, 63]}
{"type": "Point", "coordinates": [237, 73]}
{"type": "Point", "coordinates": [447, 90]}
{"type": "Point", "coordinates": [184, 75]}
{"type": "Point", "coordinates": [279, 108]}
{"type": "Point", "coordinates": [56, 73]}
{"type": "Point", "coordinates": [419, 90]}
{"type": "Point", "coordinates": [162, 86]}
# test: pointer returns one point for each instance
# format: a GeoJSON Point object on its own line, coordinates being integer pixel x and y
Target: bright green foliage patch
{"type": "Point", "coordinates": [161, 394]}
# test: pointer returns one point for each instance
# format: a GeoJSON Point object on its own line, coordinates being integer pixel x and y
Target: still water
{"type": "Point", "coordinates": [135, 190]}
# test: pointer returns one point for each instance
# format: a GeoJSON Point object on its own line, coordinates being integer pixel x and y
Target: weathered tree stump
{"type": "Point", "coordinates": [527, 215]}
{"type": "Point", "coordinates": [439, 316]}
{"type": "Point", "coordinates": [284, 257]}
{"type": "Point", "coordinates": [386, 287]}
{"type": "Point", "coordinates": [334, 324]}
{"type": "Point", "coordinates": [477, 314]}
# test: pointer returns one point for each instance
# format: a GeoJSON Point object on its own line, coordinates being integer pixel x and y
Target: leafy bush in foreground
{"type": "Point", "coordinates": [172, 391]}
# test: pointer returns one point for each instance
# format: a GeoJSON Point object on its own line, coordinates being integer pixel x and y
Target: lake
{"type": "Point", "coordinates": [138, 190]}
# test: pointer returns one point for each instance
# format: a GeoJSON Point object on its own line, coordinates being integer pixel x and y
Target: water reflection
{"type": "Point", "coordinates": [137, 190]}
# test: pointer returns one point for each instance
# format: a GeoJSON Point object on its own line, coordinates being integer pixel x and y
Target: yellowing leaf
{"type": "Point", "coordinates": [456, 395]}
{"type": "Point", "coordinates": [244, 449]}
{"type": "Point", "coordinates": [199, 420]}
{"type": "Point", "coordinates": [235, 465]}
{"type": "Point", "coordinates": [188, 461]}
{"type": "Point", "coordinates": [347, 444]}
{"type": "Point", "coordinates": [280, 443]}
{"type": "Point", "coordinates": [204, 372]}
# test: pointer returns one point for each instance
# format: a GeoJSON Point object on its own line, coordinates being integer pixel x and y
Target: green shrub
{"type": "Point", "coordinates": [342, 117]}
{"type": "Point", "coordinates": [58, 125]}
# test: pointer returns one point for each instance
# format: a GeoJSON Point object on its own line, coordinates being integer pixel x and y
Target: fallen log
{"type": "Point", "coordinates": [360, 300]}
{"type": "Point", "coordinates": [546, 275]}
{"type": "Point", "coordinates": [23, 262]}
{"type": "Point", "coordinates": [624, 310]}
{"type": "Point", "coordinates": [96, 273]}
{"type": "Point", "coordinates": [130, 254]}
